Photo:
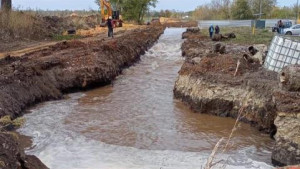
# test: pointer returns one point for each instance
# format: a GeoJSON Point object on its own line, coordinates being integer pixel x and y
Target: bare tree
{"type": "Point", "coordinates": [222, 6]}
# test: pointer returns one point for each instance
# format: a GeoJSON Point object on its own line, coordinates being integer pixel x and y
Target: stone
{"type": "Point", "coordinates": [286, 150]}
{"type": "Point", "coordinates": [196, 60]}
{"type": "Point", "coordinates": [290, 78]}
{"type": "Point", "coordinates": [219, 48]}
{"type": "Point", "coordinates": [259, 52]}
{"type": "Point", "coordinates": [217, 37]}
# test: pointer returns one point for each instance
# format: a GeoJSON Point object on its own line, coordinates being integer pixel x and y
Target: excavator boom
{"type": "Point", "coordinates": [104, 4]}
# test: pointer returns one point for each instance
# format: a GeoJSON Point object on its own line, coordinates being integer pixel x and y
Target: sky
{"type": "Point", "coordinates": [180, 5]}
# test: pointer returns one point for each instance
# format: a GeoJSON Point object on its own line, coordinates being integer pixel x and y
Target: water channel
{"type": "Point", "coordinates": [135, 123]}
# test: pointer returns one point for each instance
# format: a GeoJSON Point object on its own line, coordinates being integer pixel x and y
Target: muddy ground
{"type": "Point", "coordinates": [65, 67]}
{"type": "Point", "coordinates": [208, 83]}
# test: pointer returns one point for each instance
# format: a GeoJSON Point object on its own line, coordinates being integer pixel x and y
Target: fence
{"type": "Point", "coordinates": [283, 51]}
{"type": "Point", "coordinates": [233, 23]}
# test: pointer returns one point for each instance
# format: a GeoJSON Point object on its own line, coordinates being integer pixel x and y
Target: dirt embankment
{"type": "Point", "coordinates": [210, 83]}
{"type": "Point", "coordinates": [72, 65]}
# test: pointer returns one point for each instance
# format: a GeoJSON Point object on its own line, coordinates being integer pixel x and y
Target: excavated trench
{"type": "Point", "coordinates": [136, 123]}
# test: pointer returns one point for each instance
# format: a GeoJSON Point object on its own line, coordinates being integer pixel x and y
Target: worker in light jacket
{"type": "Point", "coordinates": [211, 30]}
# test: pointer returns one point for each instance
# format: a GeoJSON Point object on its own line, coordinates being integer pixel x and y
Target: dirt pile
{"type": "Point", "coordinates": [68, 66]}
{"type": "Point", "coordinates": [18, 25]}
{"type": "Point", "coordinates": [57, 25]}
{"type": "Point", "coordinates": [220, 84]}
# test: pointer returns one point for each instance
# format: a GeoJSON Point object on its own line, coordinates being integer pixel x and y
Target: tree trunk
{"type": "Point", "coordinates": [6, 5]}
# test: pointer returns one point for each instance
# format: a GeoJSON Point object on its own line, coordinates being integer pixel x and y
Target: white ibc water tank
{"type": "Point", "coordinates": [283, 51]}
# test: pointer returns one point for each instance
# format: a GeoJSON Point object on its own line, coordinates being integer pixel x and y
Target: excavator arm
{"type": "Point", "coordinates": [117, 20]}
{"type": "Point", "coordinates": [104, 4]}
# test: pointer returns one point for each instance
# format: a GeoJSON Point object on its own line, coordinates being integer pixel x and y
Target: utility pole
{"type": "Point", "coordinates": [260, 8]}
{"type": "Point", "coordinates": [6, 4]}
{"type": "Point", "coordinates": [297, 10]}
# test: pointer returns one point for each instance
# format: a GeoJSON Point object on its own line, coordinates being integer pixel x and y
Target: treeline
{"type": "Point", "coordinates": [170, 14]}
{"type": "Point", "coordinates": [134, 10]}
{"type": "Point", "coordinates": [243, 9]}
{"type": "Point", "coordinates": [63, 13]}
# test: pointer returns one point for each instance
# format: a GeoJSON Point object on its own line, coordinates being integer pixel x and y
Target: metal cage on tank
{"type": "Point", "coordinates": [284, 51]}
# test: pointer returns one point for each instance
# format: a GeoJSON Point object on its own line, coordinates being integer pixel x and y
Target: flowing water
{"type": "Point", "coordinates": [136, 123]}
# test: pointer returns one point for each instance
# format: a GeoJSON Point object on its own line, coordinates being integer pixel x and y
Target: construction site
{"type": "Point", "coordinates": [121, 88]}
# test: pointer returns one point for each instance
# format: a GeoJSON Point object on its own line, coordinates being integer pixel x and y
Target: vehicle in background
{"type": "Point", "coordinates": [294, 30]}
{"type": "Point", "coordinates": [286, 24]}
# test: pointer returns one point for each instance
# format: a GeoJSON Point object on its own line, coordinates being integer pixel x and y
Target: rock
{"type": "Point", "coordinates": [259, 52]}
{"type": "Point", "coordinates": [32, 162]}
{"type": "Point", "coordinates": [252, 50]}
{"type": "Point", "coordinates": [196, 60]}
{"type": "Point", "coordinates": [219, 48]}
{"type": "Point", "coordinates": [217, 37]}
{"type": "Point", "coordinates": [229, 35]}
{"type": "Point", "coordinates": [12, 156]}
{"type": "Point", "coordinates": [290, 78]}
{"type": "Point", "coordinates": [287, 148]}
{"type": "Point", "coordinates": [251, 59]}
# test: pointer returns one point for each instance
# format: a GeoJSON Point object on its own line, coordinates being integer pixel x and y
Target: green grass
{"type": "Point", "coordinates": [65, 37]}
{"type": "Point", "coordinates": [245, 36]}
{"type": "Point", "coordinates": [6, 120]}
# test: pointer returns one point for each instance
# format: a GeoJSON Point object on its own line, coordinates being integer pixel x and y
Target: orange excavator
{"type": "Point", "coordinates": [116, 17]}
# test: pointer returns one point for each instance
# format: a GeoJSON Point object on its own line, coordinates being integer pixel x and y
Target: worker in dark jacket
{"type": "Point", "coordinates": [211, 30]}
{"type": "Point", "coordinates": [217, 29]}
{"type": "Point", "coordinates": [110, 27]}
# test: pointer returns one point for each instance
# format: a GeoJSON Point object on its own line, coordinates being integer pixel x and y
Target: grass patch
{"type": "Point", "coordinates": [244, 35]}
{"type": "Point", "coordinates": [19, 25]}
{"type": "Point", "coordinates": [6, 120]}
{"type": "Point", "coordinates": [2, 164]}
{"type": "Point", "coordinates": [65, 37]}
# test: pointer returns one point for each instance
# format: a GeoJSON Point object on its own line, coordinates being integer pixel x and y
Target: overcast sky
{"type": "Point", "coordinates": [181, 5]}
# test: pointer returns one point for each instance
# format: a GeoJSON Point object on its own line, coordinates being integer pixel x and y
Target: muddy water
{"type": "Point", "coordinates": [136, 123]}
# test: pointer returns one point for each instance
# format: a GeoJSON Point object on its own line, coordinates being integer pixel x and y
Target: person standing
{"type": "Point", "coordinates": [110, 27]}
{"type": "Point", "coordinates": [217, 30]}
{"type": "Point", "coordinates": [211, 31]}
{"type": "Point", "coordinates": [280, 25]}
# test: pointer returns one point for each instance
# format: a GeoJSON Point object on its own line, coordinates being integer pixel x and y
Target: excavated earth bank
{"type": "Point", "coordinates": [207, 83]}
{"type": "Point", "coordinates": [68, 66]}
